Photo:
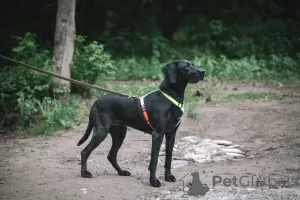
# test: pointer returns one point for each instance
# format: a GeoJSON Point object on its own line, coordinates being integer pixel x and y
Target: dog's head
{"type": "Point", "coordinates": [185, 69]}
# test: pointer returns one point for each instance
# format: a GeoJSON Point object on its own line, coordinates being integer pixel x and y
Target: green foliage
{"type": "Point", "coordinates": [22, 88]}
{"type": "Point", "coordinates": [91, 62]}
{"type": "Point", "coordinates": [235, 40]}
{"type": "Point", "coordinates": [191, 111]}
{"type": "Point", "coordinates": [249, 68]}
{"type": "Point", "coordinates": [274, 67]}
{"type": "Point", "coordinates": [254, 96]}
{"type": "Point", "coordinates": [58, 115]}
{"type": "Point", "coordinates": [138, 68]}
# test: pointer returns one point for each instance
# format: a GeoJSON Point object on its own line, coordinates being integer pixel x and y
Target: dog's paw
{"type": "Point", "coordinates": [86, 174]}
{"type": "Point", "coordinates": [155, 182]}
{"type": "Point", "coordinates": [170, 178]}
{"type": "Point", "coordinates": [124, 173]}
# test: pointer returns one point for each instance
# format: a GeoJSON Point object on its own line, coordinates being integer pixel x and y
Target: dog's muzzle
{"type": "Point", "coordinates": [201, 74]}
{"type": "Point", "coordinates": [197, 76]}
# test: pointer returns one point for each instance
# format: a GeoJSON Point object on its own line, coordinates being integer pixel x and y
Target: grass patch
{"type": "Point", "coordinates": [205, 89]}
{"type": "Point", "coordinates": [59, 115]}
{"type": "Point", "coordinates": [220, 67]}
{"type": "Point", "coordinates": [254, 96]}
{"type": "Point", "coordinates": [191, 112]}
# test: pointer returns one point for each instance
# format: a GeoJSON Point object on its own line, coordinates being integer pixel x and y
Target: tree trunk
{"type": "Point", "coordinates": [63, 43]}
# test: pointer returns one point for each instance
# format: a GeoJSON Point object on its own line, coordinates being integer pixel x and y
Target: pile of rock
{"type": "Point", "coordinates": [195, 149]}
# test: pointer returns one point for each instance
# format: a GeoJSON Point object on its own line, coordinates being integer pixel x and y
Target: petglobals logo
{"type": "Point", "coordinates": [197, 188]}
{"type": "Point", "coordinates": [256, 181]}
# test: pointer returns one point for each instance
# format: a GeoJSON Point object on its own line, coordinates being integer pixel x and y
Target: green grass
{"type": "Point", "coordinates": [220, 67]}
{"type": "Point", "coordinates": [191, 112]}
{"type": "Point", "coordinates": [60, 115]}
{"type": "Point", "coordinates": [254, 96]}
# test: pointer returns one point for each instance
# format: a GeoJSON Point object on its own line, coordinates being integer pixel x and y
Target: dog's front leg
{"type": "Point", "coordinates": [157, 139]}
{"type": "Point", "coordinates": [170, 140]}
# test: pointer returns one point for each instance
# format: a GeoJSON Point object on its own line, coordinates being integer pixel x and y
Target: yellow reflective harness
{"type": "Point", "coordinates": [179, 105]}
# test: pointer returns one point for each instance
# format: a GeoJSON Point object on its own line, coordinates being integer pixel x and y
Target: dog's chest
{"type": "Point", "coordinates": [174, 122]}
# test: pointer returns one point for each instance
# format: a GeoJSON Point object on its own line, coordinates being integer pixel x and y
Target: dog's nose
{"type": "Point", "coordinates": [200, 72]}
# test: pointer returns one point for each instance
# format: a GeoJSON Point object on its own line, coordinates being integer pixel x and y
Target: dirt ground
{"type": "Point", "coordinates": [268, 131]}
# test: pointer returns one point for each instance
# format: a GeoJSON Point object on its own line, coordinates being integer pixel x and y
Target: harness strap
{"type": "Point", "coordinates": [181, 106]}
{"type": "Point", "coordinates": [145, 112]}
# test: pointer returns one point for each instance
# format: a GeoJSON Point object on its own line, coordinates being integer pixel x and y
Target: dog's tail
{"type": "Point", "coordinates": [87, 133]}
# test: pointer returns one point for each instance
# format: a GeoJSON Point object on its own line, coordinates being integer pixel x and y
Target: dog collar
{"type": "Point", "coordinates": [181, 106]}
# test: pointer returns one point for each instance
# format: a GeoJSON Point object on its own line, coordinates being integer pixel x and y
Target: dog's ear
{"type": "Point", "coordinates": [170, 72]}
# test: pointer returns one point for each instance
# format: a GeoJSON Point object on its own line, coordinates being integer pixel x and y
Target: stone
{"type": "Point", "coordinates": [236, 155]}
{"type": "Point", "coordinates": [223, 142]}
{"type": "Point", "coordinates": [220, 158]}
{"type": "Point", "coordinates": [196, 158]}
{"type": "Point", "coordinates": [206, 141]}
{"type": "Point", "coordinates": [202, 160]}
{"type": "Point", "coordinates": [231, 150]}
{"type": "Point", "coordinates": [190, 139]}
{"type": "Point", "coordinates": [84, 190]}
{"type": "Point", "coordinates": [217, 153]}
{"type": "Point", "coordinates": [193, 148]}
{"type": "Point", "coordinates": [201, 151]}
{"type": "Point", "coordinates": [179, 163]}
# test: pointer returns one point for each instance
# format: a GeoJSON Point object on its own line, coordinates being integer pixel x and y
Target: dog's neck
{"type": "Point", "coordinates": [175, 90]}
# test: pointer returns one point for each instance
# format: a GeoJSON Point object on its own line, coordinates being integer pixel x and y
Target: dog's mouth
{"type": "Point", "coordinates": [195, 78]}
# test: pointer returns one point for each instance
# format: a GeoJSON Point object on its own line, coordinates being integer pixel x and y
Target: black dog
{"type": "Point", "coordinates": [112, 114]}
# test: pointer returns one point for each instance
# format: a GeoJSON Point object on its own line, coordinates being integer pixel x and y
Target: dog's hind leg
{"type": "Point", "coordinates": [118, 134]}
{"type": "Point", "coordinates": [101, 126]}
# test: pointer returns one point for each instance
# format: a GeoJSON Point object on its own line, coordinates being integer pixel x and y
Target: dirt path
{"type": "Point", "coordinates": [48, 167]}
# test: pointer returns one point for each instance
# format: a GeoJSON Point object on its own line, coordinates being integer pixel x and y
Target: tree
{"type": "Point", "coordinates": [63, 42]}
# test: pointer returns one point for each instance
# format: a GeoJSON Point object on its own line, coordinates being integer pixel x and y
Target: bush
{"type": "Point", "coordinates": [90, 62]}
{"type": "Point", "coordinates": [249, 68]}
{"type": "Point", "coordinates": [58, 115]}
{"type": "Point", "coordinates": [138, 68]}
{"type": "Point", "coordinates": [274, 67]}
{"type": "Point", "coordinates": [23, 88]}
